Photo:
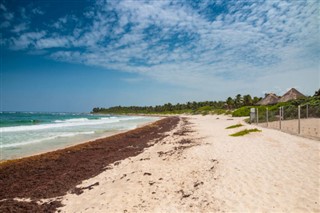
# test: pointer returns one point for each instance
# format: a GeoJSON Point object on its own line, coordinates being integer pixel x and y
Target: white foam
{"type": "Point", "coordinates": [60, 124]}
{"type": "Point", "coordinates": [69, 134]}
{"type": "Point", "coordinates": [73, 120]}
{"type": "Point", "coordinates": [131, 118]}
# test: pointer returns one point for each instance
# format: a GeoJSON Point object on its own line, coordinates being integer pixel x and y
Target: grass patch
{"type": "Point", "coordinates": [244, 132]}
{"type": "Point", "coordinates": [247, 120]}
{"type": "Point", "coordinates": [234, 126]}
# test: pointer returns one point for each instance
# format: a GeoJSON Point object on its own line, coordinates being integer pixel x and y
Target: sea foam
{"type": "Point", "coordinates": [25, 133]}
{"type": "Point", "coordinates": [71, 134]}
{"type": "Point", "coordinates": [61, 123]}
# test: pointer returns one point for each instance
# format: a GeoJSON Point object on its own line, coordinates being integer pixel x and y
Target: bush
{"type": "Point", "coordinates": [244, 132]}
{"type": "Point", "coordinates": [241, 112]}
{"type": "Point", "coordinates": [234, 126]}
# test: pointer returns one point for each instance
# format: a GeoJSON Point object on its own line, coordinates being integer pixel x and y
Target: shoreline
{"type": "Point", "coordinates": [77, 142]}
{"type": "Point", "coordinates": [138, 114]}
{"type": "Point", "coordinates": [54, 173]}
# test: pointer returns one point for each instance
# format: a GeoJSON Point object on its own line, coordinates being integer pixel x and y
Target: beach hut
{"type": "Point", "coordinates": [292, 94]}
{"type": "Point", "coordinates": [269, 99]}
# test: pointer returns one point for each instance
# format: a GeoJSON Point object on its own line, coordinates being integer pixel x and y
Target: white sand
{"type": "Point", "coordinates": [308, 127]}
{"type": "Point", "coordinates": [268, 171]}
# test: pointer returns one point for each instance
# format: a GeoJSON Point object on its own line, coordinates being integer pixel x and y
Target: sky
{"type": "Point", "coordinates": [73, 55]}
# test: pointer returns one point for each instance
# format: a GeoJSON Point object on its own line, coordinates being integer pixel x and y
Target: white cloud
{"type": "Point", "coordinates": [37, 11]}
{"type": "Point", "coordinates": [23, 13]}
{"type": "Point", "coordinates": [2, 7]}
{"type": "Point", "coordinates": [8, 16]}
{"type": "Point", "coordinates": [26, 40]}
{"type": "Point", "coordinates": [166, 40]}
{"type": "Point", "coordinates": [60, 23]}
{"type": "Point", "coordinates": [45, 43]}
{"type": "Point", "coordinates": [19, 28]}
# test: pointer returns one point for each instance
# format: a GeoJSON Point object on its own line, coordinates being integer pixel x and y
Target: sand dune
{"type": "Point", "coordinates": [198, 167]}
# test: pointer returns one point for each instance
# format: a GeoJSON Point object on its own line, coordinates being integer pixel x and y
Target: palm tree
{"type": "Point", "coordinates": [255, 100]}
{"type": "Point", "coordinates": [247, 100]}
{"type": "Point", "coordinates": [238, 100]}
{"type": "Point", "coordinates": [230, 102]}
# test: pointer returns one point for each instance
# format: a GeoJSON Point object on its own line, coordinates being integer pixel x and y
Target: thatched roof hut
{"type": "Point", "coordinates": [292, 94]}
{"type": "Point", "coordinates": [269, 99]}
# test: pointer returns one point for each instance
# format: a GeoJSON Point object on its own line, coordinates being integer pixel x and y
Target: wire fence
{"type": "Point", "coordinates": [303, 120]}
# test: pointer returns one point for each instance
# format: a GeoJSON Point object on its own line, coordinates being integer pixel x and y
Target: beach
{"type": "Point", "coordinates": [178, 164]}
{"type": "Point", "coordinates": [29, 133]}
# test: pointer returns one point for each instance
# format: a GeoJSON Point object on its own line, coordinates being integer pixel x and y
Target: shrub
{"type": "Point", "coordinates": [244, 132]}
{"type": "Point", "coordinates": [241, 112]}
{"type": "Point", "coordinates": [234, 126]}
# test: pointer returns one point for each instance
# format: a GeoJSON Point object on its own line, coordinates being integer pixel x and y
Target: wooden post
{"type": "Point", "coordinates": [280, 118]}
{"type": "Point", "coordinates": [282, 114]}
{"type": "Point", "coordinates": [307, 111]}
{"type": "Point", "coordinates": [267, 117]}
{"type": "Point", "coordinates": [257, 116]}
{"type": "Point", "coordinates": [299, 119]}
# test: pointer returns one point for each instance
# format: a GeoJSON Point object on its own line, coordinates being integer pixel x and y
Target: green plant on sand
{"type": "Point", "coordinates": [234, 126]}
{"type": "Point", "coordinates": [244, 132]}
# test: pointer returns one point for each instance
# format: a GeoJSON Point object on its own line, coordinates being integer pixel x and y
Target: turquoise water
{"type": "Point", "coordinates": [28, 133]}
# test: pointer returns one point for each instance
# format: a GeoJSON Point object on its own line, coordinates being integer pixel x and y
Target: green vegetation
{"type": "Point", "coordinates": [238, 106]}
{"type": "Point", "coordinates": [244, 132]}
{"type": "Point", "coordinates": [240, 101]}
{"type": "Point", "coordinates": [290, 109]}
{"type": "Point", "coordinates": [204, 108]}
{"type": "Point", "coordinates": [234, 126]}
{"type": "Point", "coordinates": [243, 111]}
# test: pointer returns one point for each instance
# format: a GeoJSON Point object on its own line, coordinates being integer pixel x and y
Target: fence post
{"type": "Point", "coordinates": [280, 118]}
{"type": "Point", "coordinates": [299, 119]}
{"type": "Point", "coordinates": [307, 111]}
{"type": "Point", "coordinates": [257, 116]}
{"type": "Point", "coordinates": [282, 114]}
{"type": "Point", "coordinates": [267, 117]}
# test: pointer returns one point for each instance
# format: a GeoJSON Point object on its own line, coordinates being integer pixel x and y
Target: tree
{"type": "Point", "coordinates": [238, 100]}
{"type": "Point", "coordinates": [96, 109]}
{"type": "Point", "coordinates": [317, 93]}
{"type": "Point", "coordinates": [255, 100]}
{"type": "Point", "coordinates": [194, 105]}
{"type": "Point", "coordinates": [230, 103]}
{"type": "Point", "coordinates": [247, 100]}
{"type": "Point", "coordinates": [167, 107]}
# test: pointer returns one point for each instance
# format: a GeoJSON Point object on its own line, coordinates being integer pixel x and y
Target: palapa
{"type": "Point", "coordinates": [269, 99]}
{"type": "Point", "coordinates": [292, 94]}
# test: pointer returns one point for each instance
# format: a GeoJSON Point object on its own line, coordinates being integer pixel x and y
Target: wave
{"type": "Point", "coordinates": [72, 120]}
{"type": "Point", "coordinates": [70, 134]}
{"type": "Point", "coordinates": [65, 123]}
{"type": "Point", "coordinates": [19, 122]}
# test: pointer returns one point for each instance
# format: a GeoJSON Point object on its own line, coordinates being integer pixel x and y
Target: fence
{"type": "Point", "coordinates": [303, 120]}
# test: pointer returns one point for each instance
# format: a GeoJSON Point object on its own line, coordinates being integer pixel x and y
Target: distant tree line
{"type": "Point", "coordinates": [189, 107]}
{"type": "Point", "coordinates": [205, 107]}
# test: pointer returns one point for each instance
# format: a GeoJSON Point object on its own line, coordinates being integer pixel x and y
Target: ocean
{"type": "Point", "coordinates": [28, 133]}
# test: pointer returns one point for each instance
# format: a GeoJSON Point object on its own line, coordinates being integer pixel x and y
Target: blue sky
{"type": "Point", "coordinates": [75, 55]}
